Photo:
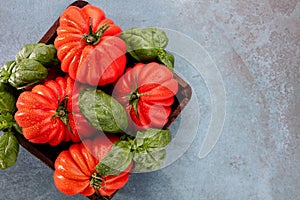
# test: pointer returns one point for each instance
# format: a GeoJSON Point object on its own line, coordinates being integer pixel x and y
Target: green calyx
{"type": "Point", "coordinates": [94, 38]}
{"type": "Point", "coordinates": [134, 96]}
{"type": "Point", "coordinates": [133, 100]}
{"type": "Point", "coordinates": [96, 181]}
{"type": "Point", "coordinates": [62, 112]}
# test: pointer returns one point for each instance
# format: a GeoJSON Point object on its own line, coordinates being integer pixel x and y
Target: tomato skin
{"type": "Point", "coordinates": [74, 168]}
{"type": "Point", "coordinates": [42, 111]}
{"type": "Point", "coordinates": [147, 91]}
{"type": "Point", "coordinates": [95, 64]}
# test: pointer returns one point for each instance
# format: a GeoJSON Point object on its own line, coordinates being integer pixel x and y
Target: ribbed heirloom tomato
{"type": "Point", "coordinates": [75, 169]}
{"type": "Point", "coordinates": [147, 91]}
{"type": "Point", "coordinates": [88, 47]}
{"type": "Point", "coordinates": [46, 113]}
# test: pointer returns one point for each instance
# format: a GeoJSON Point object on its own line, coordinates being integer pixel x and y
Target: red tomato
{"type": "Point", "coordinates": [87, 46]}
{"type": "Point", "coordinates": [46, 113]}
{"type": "Point", "coordinates": [147, 91]}
{"type": "Point", "coordinates": [75, 169]}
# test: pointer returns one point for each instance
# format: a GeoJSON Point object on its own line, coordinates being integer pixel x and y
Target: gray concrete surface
{"type": "Point", "coordinates": [256, 47]}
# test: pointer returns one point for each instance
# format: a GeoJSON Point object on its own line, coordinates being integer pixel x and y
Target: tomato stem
{"type": "Point", "coordinates": [96, 182]}
{"type": "Point", "coordinates": [91, 26]}
{"type": "Point", "coordinates": [134, 96]}
{"type": "Point", "coordinates": [99, 195]}
{"type": "Point", "coordinates": [62, 112]}
{"type": "Point", "coordinates": [94, 38]}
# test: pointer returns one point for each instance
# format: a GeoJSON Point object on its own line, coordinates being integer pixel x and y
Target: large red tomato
{"type": "Point", "coordinates": [75, 169]}
{"type": "Point", "coordinates": [147, 91]}
{"type": "Point", "coordinates": [88, 47]}
{"type": "Point", "coordinates": [46, 113]}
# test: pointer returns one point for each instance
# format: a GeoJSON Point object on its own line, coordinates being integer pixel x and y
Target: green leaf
{"type": "Point", "coordinates": [102, 110]}
{"type": "Point", "coordinates": [26, 73]}
{"type": "Point", "coordinates": [117, 160]}
{"type": "Point", "coordinates": [17, 127]}
{"type": "Point", "coordinates": [154, 138]}
{"type": "Point", "coordinates": [6, 121]}
{"type": "Point", "coordinates": [139, 142]}
{"type": "Point", "coordinates": [6, 71]}
{"type": "Point", "coordinates": [149, 133]}
{"type": "Point", "coordinates": [149, 149]}
{"type": "Point", "coordinates": [158, 36]}
{"type": "Point", "coordinates": [146, 161]}
{"type": "Point", "coordinates": [167, 59]}
{"type": "Point", "coordinates": [143, 43]}
{"type": "Point", "coordinates": [25, 52]}
{"type": "Point", "coordinates": [9, 149]}
{"type": "Point", "coordinates": [7, 100]}
{"type": "Point", "coordinates": [46, 54]}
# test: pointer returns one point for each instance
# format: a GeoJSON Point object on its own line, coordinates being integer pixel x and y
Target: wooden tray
{"type": "Point", "coordinates": [47, 154]}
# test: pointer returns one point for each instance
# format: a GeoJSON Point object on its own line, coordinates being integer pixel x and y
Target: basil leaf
{"type": "Point", "coordinates": [9, 150]}
{"type": "Point", "coordinates": [17, 127]}
{"type": "Point", "coordinates": [144, 55]}
{"type": "Point", "coordinates": [154, 138]}
{"type": "Point", "coordinates": [25, 52]}
{"type": "Point", "coordinates": [6, 71]}
{"type": "Point", "coordinates": [6, 121]}
{"type": "Point", "coordinates": [117, 160]}
{"type": "Point", "coordinates": [43, 53]}
{"type": "Point", "coordinates": [149, 37]}
{"type": "Point", "coordinates": [144, 44]}
{"type": "Point", "coordinates": [7, 100]}
{"type": "Point", "coordinates": [27, 72]}
{"type": "Point", "coordinates": [102, 111]}
{"type": "Point", "coordinates": [149, 152]}
{"type": "Point", "coordinates": [167, 59]}
{"type": "Point", "coordinates": [146, 161]}
{"type": "Point", "coordinates": [138, 143]}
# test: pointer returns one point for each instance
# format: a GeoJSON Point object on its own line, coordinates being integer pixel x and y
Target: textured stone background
{"type": "Point", "coordinates": [256, 46]}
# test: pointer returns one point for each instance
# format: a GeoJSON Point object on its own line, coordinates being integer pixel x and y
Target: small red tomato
{"type": "Point", "coordinates": [88, 47]}
{"type": "Point", "coordinates": [46, 113]}
{"type": "Point", "coordinates": [147, 91]}
{"type": "Point", "coordinates": [75, 169]}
